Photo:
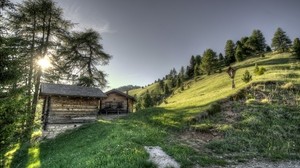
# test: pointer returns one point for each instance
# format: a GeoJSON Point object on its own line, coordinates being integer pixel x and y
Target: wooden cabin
{"type": "Point", "coordinates": [117, 102]}
{"type": "Point", "coordinates": [67, 106]}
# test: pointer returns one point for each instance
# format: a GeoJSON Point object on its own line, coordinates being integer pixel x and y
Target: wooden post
{"type": "Point", "coordinates": [231, 72]}
{"type": "Point", "coordinates": [48, 109]}
{"type": "Point", "coordinates": [127, 101]}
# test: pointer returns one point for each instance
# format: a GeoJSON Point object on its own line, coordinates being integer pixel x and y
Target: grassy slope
{"type": "Point", "coordinates": [120, 143]}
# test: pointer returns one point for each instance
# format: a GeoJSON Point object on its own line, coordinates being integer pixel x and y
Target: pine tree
{"type": "Point", "coordinates": [191, 67]}
{"type": "Point", "coordinates": [182, 74]}
{"type": "Point", "coordinates": [196, 70]}
{"type": "Point", "coordinates": [209, 61]}
{"type": "Point", "coordinates": [296, 47]}
{"type": "Point", "coordinates": [256, 42]}
{"type": "Point", "coordinates": [229, 52]}
{"type": "Point", "coordinates": [221, 62]}
{"type": "Point", "coordinates": [198, 59]}
{"type": "Point", "coordinates": [281, 42]}
{"type": "Point", "coordinates": [167, 91]}
{"type": "Point", "coordinates": [161, 85]}
{"type": "Point", "coordinates": [239, 53]}
{"type": "Point", "coordinates": [148, 102]}
{"type": "Point", "coordinates": [268, 49]}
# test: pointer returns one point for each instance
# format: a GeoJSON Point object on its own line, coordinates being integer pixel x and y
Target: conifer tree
{"type": "Point", "coordinates": [296, 47]}
{"type": "Point", "coordinates": [209, 61]}
{"type": "Point", "coordinates": [229, 52]}
{"type": "Point", "coordinates": [256, 42]}
{"type": "Point", "coordinates": [281, 42]}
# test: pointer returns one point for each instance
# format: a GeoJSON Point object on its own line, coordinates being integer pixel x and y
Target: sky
{"type": "Point", "coordinates": [149, 37]}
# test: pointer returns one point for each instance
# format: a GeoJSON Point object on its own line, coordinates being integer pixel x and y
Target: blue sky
{"type": "Point", "coordinates": [149, 37]}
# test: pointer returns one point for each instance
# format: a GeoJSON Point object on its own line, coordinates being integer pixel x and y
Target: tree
{"type": "Point", "coordinates": [86, 52]}
{"type": "Point", "coordinates": [40, 25]}
{"type": "Point", "coordinates": [196, 70]}
{"type": "Point", "coordinates": [229, 52]}
{"type": "Point", "coordinates": [161, 85]}
{"type": "Point", "coordinates": [268, 49]}
{"type": "Point", "coordinates": [179, 82]}
{"type": "Point", "coordinates": [209, 61]}
{"type": "Point", "coordinates": [182, 74]}
{"type": "Point", "coordinates": [198, 59]}
{"type": "Point", "coordinates": [280, 41]}
{"type": "Point", "coordinates": [296, 47]}
{"type": "Point", "coordinates": [148, 102]}
{"type": "Point", "coordinates": [239, 53]}
{"type": "Point", "coordinates": [257, 42]}
{"type": "Point", "coordinates": [167, 91]}
{"type": "Point", "coordinates": [190, 71]}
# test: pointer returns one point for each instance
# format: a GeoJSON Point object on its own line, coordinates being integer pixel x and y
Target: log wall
{"type": "Point", "coordinates": [114, 98]}
{"type": "Point", "coordinates": [64, 110]}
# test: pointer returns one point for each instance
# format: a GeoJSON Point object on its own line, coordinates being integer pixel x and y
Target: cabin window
{"type": "Point", "coordinates": [108, 104]}
{"type": "Point", "coordinates": [119, 104]}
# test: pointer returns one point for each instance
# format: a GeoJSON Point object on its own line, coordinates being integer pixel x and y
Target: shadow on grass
{"type": "Point", "coordinates": [274, 61]}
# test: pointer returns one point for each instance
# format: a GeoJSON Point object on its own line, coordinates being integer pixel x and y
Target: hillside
{"type": "Point", "coordinates": [208, 123]}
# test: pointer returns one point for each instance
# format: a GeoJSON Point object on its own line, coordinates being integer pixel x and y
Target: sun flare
{"type": "Point", "coordinates": [44, 63]}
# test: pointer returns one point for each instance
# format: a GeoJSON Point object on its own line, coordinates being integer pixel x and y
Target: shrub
{"type": "Point", "coordinates": [259, 70]}
{"type": "Point", "coordinates": [247, 77]}
{"type": "Point", "coordinates": [214, 108]}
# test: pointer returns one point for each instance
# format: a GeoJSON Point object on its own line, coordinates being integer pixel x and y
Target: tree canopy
{"type": "Point", "coordinates": [280, 42]}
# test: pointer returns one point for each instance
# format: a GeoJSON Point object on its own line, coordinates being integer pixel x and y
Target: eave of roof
{"type": "Point", "coordinates": [70, 90]}
{"type": "Point", "coordinates": [120, 93]}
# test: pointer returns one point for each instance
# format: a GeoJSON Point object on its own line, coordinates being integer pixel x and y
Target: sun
{"type": "Point", "coordinates": [44, 63]}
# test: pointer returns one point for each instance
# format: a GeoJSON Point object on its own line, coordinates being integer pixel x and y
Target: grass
{"type": "Point", "coordinates": [120, 143]}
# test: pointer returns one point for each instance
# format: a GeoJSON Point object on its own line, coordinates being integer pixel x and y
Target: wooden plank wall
{"type": "Point", "coordinates": [66, 110]}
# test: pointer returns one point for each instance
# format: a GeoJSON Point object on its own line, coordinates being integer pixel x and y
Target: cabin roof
{"type": "Point", "coordinates": [70, 90]}
{"type": "Point", "coordinates": [120, 93]}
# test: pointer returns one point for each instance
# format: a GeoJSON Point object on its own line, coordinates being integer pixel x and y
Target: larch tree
{"type": "Point", "coordinates": [84, 56]}
{"type": "Point", "coordinates": [39, 23]}
{"type": "Point", "coordinates": [281, 42]}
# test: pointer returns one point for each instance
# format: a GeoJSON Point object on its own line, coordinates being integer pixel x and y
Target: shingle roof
{"type": "Point", "coordinates": [120, 93]}
{"type": "Point", "coordinates": [70, 90]}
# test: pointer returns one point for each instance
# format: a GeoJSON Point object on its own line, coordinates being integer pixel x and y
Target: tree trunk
{"type": "Point", "coordinates": [233, 84]}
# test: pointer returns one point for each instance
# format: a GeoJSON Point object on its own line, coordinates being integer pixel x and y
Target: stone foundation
{"type": "Point", "coordinates": [52, 130]}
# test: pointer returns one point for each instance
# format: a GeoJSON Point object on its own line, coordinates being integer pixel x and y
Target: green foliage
{"type": "Point", "coordinates": [196, 70]}
{"type": "Point", "coordinates": [167, 90]}
{"type": "Point", "coordinates": [81, 43]}
{"type": "Point", "coordinates": [256, 42]}
{"type": "Point", "coordinates": [280, 42]}
{"type": "Point", "coordinates": [190, 70]}
{"type": "Point", "coordinates": [229, 52]}
{"type": "Point", "coordinates": [209, 61]}
{"type": "Point", "coordinates": [296, 47]}
{"type": "Point", "coordinates": [213, 109]}
{"type": "Point", "coordinates": [259, 70]}
{"type": "Point", "coordinates": [247, 77]}
{"type": "Point", "coordinates": [148, 102]}
{"type": "Point", "coordinates": [162, 85]}
{"type": "Point", "coordinates": [268, 49]}
{"type": "Point", "coordinates": [12, 116]}
{"type": "Point", "coordinates": [239, 53]}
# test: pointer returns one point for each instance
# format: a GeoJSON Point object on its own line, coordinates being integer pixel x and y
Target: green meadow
{"type": "Point", "coordinates": [266, 129]}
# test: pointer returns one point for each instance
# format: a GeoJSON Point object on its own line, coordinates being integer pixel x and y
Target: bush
{"type": "Point", "coordinates": [247, 77]}
{"type": "Point", "coordinates": [214, 108]}
{"type": "Point", "coordinates": [259, 70]}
